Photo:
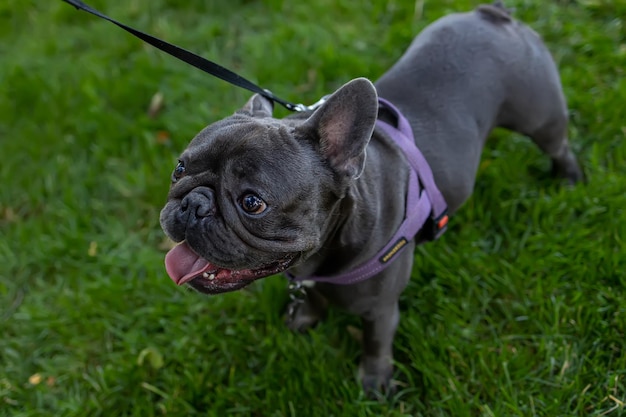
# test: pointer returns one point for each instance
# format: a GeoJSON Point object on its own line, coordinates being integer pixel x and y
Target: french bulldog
{"type": "Point", "coordinates": [321, 191]}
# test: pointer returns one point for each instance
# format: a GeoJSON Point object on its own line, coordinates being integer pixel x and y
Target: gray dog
{"type": "Point", "coordinates": [324, 192]}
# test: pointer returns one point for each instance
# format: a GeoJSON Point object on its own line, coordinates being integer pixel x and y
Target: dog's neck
{"type": "Point", "coordinates": [363, 215]}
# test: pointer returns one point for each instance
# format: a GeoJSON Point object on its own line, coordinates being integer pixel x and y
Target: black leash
{"type": "Point", "coordinates": [193, 59]}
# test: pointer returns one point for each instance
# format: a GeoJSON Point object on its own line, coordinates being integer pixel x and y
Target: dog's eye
{"type": "Point", "coordinates": [179, 171]}
{"type": "Point", "coordinates": [253, 204]}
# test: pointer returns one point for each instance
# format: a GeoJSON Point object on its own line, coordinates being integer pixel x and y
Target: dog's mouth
{"type": "Point", "coordinates": [184, 266]}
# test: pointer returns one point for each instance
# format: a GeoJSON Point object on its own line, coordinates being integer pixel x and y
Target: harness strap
{"type": "Point", "coordinates": [424, 202]}
{"type": "Point", "coordinates": [419, 163]}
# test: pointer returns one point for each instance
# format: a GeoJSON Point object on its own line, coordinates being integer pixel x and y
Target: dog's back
{"type": "Point", "coordinates": [464, 75]}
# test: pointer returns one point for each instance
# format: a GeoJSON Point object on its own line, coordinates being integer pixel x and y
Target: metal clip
{"type": "Point", "coordinates": [297, 295]}
{"type": "Point", "coordinates": [297, 291]}
{"type": "Point", "coordinates": [318, 103]}
{"type": "Point", "coordinates": [301, 107]}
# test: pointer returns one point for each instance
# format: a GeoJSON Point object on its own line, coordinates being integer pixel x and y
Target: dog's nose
{"type": "Point", "coordinates": [199, 203]}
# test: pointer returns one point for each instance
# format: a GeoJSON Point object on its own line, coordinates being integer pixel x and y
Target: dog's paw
{"type": "Point", "coordinates": [377, 383]}
{"type": "Point", "coordinates": [572, 174]}
{"type": "Point", "coordinates": [568, 168]}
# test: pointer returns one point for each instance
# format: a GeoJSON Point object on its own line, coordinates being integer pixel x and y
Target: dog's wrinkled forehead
{"type": "Point", "coordinates": [247, 147]}
{"type": "Point", "coordinates": [238, 136]}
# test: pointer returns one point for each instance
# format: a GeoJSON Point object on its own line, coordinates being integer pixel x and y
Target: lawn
{"type": "Point", "coordinates": [518, 310]}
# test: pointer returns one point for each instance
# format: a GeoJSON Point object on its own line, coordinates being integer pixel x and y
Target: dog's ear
{"type": "Point", "coordinates": [258, 106]}
{"type": "Point", "coordinates": [343, 125]}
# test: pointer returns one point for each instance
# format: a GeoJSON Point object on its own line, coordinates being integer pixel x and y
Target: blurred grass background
{"type": "Point", "coordinates": [519, 310]}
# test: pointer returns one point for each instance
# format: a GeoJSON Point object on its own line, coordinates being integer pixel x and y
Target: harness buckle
{"type": "Point", "coordinates": [435, 226]}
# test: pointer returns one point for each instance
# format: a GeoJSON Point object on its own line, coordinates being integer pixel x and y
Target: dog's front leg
{"type": "Point", "coordinates": [379, 328]}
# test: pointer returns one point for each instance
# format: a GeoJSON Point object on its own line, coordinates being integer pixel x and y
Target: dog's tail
{"type": "Point", "coordinates": [496, 12]}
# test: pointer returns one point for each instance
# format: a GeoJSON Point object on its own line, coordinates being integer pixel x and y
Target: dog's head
{"type": "Point", "coordinates": [253, 195]}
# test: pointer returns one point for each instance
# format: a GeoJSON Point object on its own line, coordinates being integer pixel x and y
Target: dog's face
{"type": "Point", "coordinates": [253, 195]}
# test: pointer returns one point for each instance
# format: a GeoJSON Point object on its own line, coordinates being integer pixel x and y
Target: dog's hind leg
{"type": "Point", "coordinates": [542, 115]}
{"type": "Point", "coordinates": [551, 138]}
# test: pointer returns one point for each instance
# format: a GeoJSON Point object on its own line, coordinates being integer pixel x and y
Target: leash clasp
{"type": "Point", "coordinates": [297, 295]}
{"type": "Point", "coordinates": [301, 107]}
{"type": "Point", "coordinates": [297, 291]}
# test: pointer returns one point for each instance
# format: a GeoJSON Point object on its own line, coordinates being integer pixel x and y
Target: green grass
{"type": "Point", "coordinates": [519, 310]}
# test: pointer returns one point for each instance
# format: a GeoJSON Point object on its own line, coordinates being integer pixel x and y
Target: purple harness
{"type": "Point", "coordinates": [425, 207]}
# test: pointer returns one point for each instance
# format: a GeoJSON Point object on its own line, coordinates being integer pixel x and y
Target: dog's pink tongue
{"type": "Point", "coordinates": [182, 264]}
